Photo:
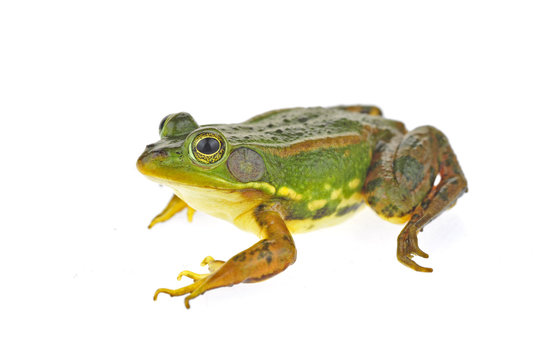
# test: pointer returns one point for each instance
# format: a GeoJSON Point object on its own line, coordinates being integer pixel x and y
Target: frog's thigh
{"type": "Point", "coordinates": [401, 174]}
{"type": "Point", "coordinates": [400, 183]}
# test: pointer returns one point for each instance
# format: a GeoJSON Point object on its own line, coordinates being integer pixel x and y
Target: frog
{"type": "Point", "coordinates": [296, 170]}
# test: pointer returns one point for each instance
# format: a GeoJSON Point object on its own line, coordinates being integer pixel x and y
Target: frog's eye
{"type": "Point", "coordinates": [177, 125]}
{"type": "Point", "coordinates": [162, 123]}
{"type": "Point", "coordinates": [208, 148]}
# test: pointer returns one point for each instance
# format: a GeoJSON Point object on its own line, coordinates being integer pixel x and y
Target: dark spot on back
{"type": "Point", "coordinates": [372, 200]}
{"type": "Point", "coordinates": [380, 146]}
{"type": "Point", "coordinates": [346, 210]}
{"type": "Point", "coordinates": [293, 216]}
{"type": "Point", "coordinates": [442, 140]}
{"type": "Point", "coordinates": [372, 185]}
{"type": "Point", "coordinates": [324, 211]}
{"type": "Point", "coordinates": [239, 257]}
{"type": "Point", "coordinates": [389, 210]}
{"type": "Point", "coordinates": [443, 194]}
{"type": "Point", "coordinates": [411, 169]}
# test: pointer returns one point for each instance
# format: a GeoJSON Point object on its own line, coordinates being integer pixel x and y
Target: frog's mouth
{"type": "Point", "coordinates": [202, 192]}
{"type": "Point", "coordinates": [149, 164]}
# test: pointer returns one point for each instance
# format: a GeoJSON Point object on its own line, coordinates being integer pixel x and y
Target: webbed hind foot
{"type": "Point", "coordinates": [408, 247]}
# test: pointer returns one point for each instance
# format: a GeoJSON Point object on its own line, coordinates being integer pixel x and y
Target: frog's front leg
{"type": "Point", "coordinates": [174, 206]}
{"type": "Point", "coordinates": [266, 258]}
{"type": "Point", "coordinates": [400, 185]}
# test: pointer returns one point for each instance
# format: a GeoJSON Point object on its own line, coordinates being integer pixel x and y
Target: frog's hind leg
{"type": "Point", "coordinates": [175, 205]}
{"type": "Point", "coordinates": [400, 185]}
{"type": "Point", "coordinates": [363, 109]}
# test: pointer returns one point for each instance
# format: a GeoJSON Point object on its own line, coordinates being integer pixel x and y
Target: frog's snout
{"type": "Point", "coordinates": [149, 157]}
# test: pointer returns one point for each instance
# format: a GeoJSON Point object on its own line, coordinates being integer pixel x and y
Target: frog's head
{"type": "Point", "coordinates": [190, 155]}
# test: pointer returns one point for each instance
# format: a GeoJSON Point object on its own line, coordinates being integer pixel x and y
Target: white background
{"type": "Point", "coordinates": [83, 87]}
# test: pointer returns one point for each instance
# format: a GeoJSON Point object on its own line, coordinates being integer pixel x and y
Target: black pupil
{"type": "Point", "coordinates": [208, 146]}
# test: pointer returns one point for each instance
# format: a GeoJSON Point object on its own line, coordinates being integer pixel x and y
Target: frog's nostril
{"type": "Point", "coordinates": [148, 158]}
{"type": "Point", "coordinates": [158, 154]}
{"type": "Point", "coordinates": [150, 147]}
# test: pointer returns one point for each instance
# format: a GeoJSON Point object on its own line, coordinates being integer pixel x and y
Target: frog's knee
{"type": "Point", "coordinates": [432, 133]}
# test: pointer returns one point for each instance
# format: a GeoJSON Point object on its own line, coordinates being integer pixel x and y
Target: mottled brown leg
{"type": "Point", "coordinates": [266, 258]}
{"type": "Point", "coordinates": [442, 196]}
{"type": "Point", "coordinates": [399, 184]}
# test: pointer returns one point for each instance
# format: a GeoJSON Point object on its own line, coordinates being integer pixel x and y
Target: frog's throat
{"type": "Point", "coordinates": [230, 203]}
{"type": "Point", "coordinates": [216, 184]}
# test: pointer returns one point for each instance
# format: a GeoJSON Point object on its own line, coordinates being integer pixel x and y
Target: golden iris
{"type": "Point", "coordinates": [208, 148]}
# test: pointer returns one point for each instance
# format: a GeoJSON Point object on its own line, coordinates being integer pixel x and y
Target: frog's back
{"type": "Point", "coordinates": [316, 159]}
{"type": "Point", "coordinates": [279, 128]}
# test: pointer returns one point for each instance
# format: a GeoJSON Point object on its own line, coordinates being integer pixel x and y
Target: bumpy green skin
{"type": "Point", "coordinates": [314, 170]}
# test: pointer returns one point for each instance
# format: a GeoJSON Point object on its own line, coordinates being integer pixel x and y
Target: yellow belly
{"type": "Point", "coordinates": [298, 226]}
{"type": "Point", "coordinates": [237, 207]}
{"type": "Point", "coordinates": [304, 225]}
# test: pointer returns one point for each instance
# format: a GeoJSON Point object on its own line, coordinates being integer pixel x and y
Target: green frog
{"type": "Point", "coordinates": [295, 170]}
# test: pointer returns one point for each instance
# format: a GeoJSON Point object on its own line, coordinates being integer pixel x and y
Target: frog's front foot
{"type": "Point", "coordinates": [264, 259]}
{"type": "Point", "coordinates": [174, 206]}
{"type": "Point", "coordinates": [198, 287]}
{"type": "Point", "coordinates": [407, 247]}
